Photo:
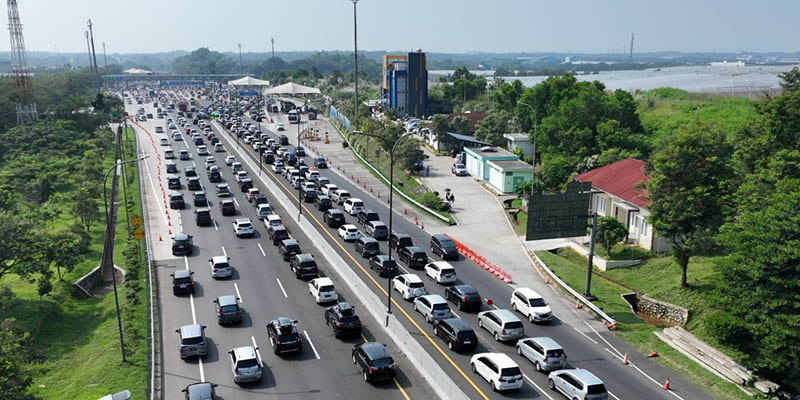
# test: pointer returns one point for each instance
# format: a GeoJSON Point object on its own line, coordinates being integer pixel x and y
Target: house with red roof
{"type": "Point", "coordinates": [617, 191]}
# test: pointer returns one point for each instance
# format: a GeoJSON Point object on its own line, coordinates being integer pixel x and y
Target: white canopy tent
{"type": "Point", "coordinates": [291, 88]}
{"type": "Point", "coordinates": [248, 81]}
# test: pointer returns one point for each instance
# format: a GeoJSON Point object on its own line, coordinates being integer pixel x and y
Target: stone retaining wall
{"type": "Point", "coordinates": [663, 311]}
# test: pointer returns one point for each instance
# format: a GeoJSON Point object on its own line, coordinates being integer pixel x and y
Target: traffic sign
{"type": "Point", "coordinates": [137, 221]}
{"type": "Point", "coordinates": [138, 233]}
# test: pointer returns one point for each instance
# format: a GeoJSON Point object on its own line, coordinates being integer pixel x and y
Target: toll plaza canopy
{"type": "Point", "coordinates": [291, 88]}
{"type": "Point", "coordinates": [248, 81]}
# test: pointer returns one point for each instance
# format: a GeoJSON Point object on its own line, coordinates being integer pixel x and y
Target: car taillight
{"type": "Point", "coordinates": [370, 369]}
{"type": "Point", "coordinates": [219, 313]}
{"type": "Point", "coordinates": [236, 370]}
{"type": "Point", "coordinates": [338, 324]}
{"type": "Point", "coordinates": [276, 341]}
{"type": "Point", "coordinates": [463, 298]}
{"type": "Point", "coordinates": [545, 359]}
{"type": "Point", "coordinates": [392, 366]}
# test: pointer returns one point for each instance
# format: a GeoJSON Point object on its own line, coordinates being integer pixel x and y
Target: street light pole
{"type": "Point", "coordinates": [535, 127]}
{"type": "Point", "coordinates": [355, 59]}
{"type": "Point", "coordinates": [111, 252]}
{"type": "Point", "coordinates": [297, 156]}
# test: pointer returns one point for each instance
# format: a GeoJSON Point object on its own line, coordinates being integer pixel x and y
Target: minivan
{"type": "Point", "coordinates": [172, 168]}
{"type": "Point", "coordinates": [192, 340]}
{"type": "Point", "coordinates": [444, 247]}
{"type": "Point", "coordinates": [374, 361]}
{"type": "Point", "coordinates": [367, 247]}
{"type": "Point", "coordinates": [169, 154]}
{"type": "Point", "coordinates": [366, 216]}
{"type": "Point", "coordinates": [577, 383]}
{"type": "Point", "coordinates": [530, 304]}
{"type": "Point", "coordinates": [377, 230]}
{"type": "Point", "coordinates": [544, 353]}
{"type": "Point", "coordinates": [457, 333]}
{"type": "Point", "coordinates": [173, 182]}
{"type": "Point", "coordinates": [413, 256]}
{"type": "Point", "coordinates": [220, 268]}
{"type": "Point", "coordinates": [399, 240]}
{"type": "Point", "coordinates": [228, 310]}
{"type": "Point", "coordinates": [304, 266]}
{"type": "Point", "coordinates": [503, 324]}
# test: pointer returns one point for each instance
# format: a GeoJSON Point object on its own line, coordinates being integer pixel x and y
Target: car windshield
{"type": "Point", "coordinates": [512, 371]}
{"type": "Point", "coordinates": [382, 362]}
{"type": "Point", "coordinates": [596, 389]}
{"type": "Point", "coordinates": [347, 320]}
{"type": "Point", "coordinates": [192, 340]}
{"type": "Point", "coordinates": [538, 303]}
{"type": "Point", "coordinates": [229, 309]}
{"type": "Point", "coordinates": [293, 247]}
{"type": "Point", "coordinates": [245, 225]}
{"type": "Point", "coordinates": [247, 363]}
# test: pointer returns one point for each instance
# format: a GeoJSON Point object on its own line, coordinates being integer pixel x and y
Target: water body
{"type": "Point", "coordinates": [702, 79]}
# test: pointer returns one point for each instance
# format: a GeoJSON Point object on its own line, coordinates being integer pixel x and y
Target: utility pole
{"type": "Point", "coordinates": [105, 59]}
{"type": "Point", "coordinates": [26, 106]}
{"type": "Point", "coordinates": [630, 55]}
{"type": "Point", "coordinates": [241, 66]}
{"type": "Point", "coordinates": [273, 51]}
{"type": "Point", "coordinates": [94, 56]}
{"type": "Point", "coordinates": [89, 50]}
{"type": "Point", "coordinates": [355, 57]}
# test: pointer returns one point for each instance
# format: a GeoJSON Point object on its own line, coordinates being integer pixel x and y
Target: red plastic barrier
{"type": "Point", "coordinates": [481, 261]}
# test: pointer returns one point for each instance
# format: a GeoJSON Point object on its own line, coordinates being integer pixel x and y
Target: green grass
{"type": "Point", "coordinates": [79, 337]}
{"type": "Point", "coordinates": [658, 278]}
{"type": "Point", "coordinates": [521, 225]}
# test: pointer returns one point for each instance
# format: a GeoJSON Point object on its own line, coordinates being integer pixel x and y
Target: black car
{"type": "Point", "coordinates": [288, 248]}
{"type": "Point", "coordinates": [268, 157]}
{"type": "Point", "coordinates": [457, 333]}
{"type": "Point", "coordinates": [444, 247]}
{"type": "Point", "coordinates": [172, 168]}
{"type": "Point", "coordinates": [367, 247]}
{"type": "Point", "coordinates": [200, 199]}
{"type": "Point", "coordinates": [245, 184]}
{"type": "Point", "coordinates": [323, 202]}
{"type": "Point", "coordinates": [309, 195]}
{"type": "Point", "coordinates": [334, 217]}
{"type": "Point", "coordinates": [367, 216]}
{"type": "Point", "coordinates": [182, 281]}
{"type": "Point", "coordinates": [342, 318]}
{"type": "Point", "coordinates": [198, 141]}
{"type": "Point", "coordinates": [202, 216]}
{"type": "Point", "coordinates": [304, 266]}
{"type": "Point", "coordinates": [182, 245]}
{"type": "Point", "coordinates": [227, 207]}
{"type": "Point", "coordinates": [399, 240]}
{"type": "Point", "coordinates": [283, 335]}
{"type": "Point", "coordinates": [190, 171]}
{"type": "Point", "coordinates": [193, 184]}
{"type": "Point", "coordinates": [173, 182]}
{"type": "Point", "coordinates": [463, 296]}
{"type": "Point", "coordinates": [214, 176]}
{"type": "Point", "coordinates": [300, 151]}
{"type": "Point", "coordinates": [283, 140]}
{"type": "Point", "coordinates": [259, 199]}
{"type": "Point", "coordinates": [278, 234]}
{"type": "Point", "coordinates": [320, 163]}
{"type": "Point", "coordinates": [176, 201]}
{"type": "Point", "coordinates": [413, 256]}
{"type": "Point", "coordinates": [384, 265]}
{"type": "Point", "coordinates": [374, 361]}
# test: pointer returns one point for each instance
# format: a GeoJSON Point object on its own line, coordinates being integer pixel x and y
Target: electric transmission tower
{"type": "Point", "coordinates": [26, 107]}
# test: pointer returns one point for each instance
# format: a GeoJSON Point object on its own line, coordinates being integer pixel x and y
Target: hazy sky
{"type": "Point", "coordinates": [145, 26]}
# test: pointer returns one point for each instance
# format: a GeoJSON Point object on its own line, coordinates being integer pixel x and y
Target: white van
{"type": "Point", "coordinates": [220, 267]}
{"type": "Point", "coordinates": [530, 304]}
{"type": "Point", "coordinates": [164, 141]}
{"type": "Point", "coordinates": [353, 206]}
{"type": "Point", "coordinates": [169, 154]}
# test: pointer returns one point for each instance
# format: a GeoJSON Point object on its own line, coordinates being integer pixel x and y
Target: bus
{"type": "Point", "coordinates": [294, 117]}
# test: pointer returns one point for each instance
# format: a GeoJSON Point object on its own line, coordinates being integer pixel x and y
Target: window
{"type": "Point", "coordinates": [600, 205]}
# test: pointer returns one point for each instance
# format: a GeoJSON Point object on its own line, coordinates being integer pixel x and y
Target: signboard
{"type": "Point", "coordinates": [137, 221]}
{"type": "Point", "coordinates": [138, 233]}
{"type": "Point", "coordinates": [247, 93]}
{"type": "Point", "coordinates": [181, 83]}
{"type": "Point", "coordinates": [559, 215]}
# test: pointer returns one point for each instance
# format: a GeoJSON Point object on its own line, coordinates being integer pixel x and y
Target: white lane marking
{"type": "Point", "coordinates": [216, 228]}
{"type": "Point", "coordinates": [613, 395]}
{"type": "Point", "coordinates": [281, 286]}
{"type": "Point", "coordinates": [202, 373]}
{"type": "Point", "coordinates": [405, 271]}
{"type": "Point", "coordinates": [495, 306]}
{"type": "Point", "coordinates": [194, 164]}
{"type": "Point", "coordinates": [236, 202]}
{"type": "Point", "coordinates": [454, 313]}
{"type": "Point", "coordinates": [224, 252]}
{"type": "Point", "coordinates": [239, 295]}
{"type": "Point", "coordinates": [537, 386]}
{"type": "Point", "coordinates": [262, 250]}
{"type": "Point", "coordinates": [311, 343]}
{"type": "Point", "coordinates": [255, 346]}
{"type": "Point", "coordinates": [585, 335]}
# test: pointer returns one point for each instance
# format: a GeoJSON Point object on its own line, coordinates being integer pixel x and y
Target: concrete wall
{"type": "Point", "coordinates": [663, 311]}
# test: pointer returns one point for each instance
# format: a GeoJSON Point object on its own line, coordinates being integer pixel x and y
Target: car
{"type": "Point", "coordinates": [288, 248]}
{"type": "Point", "coordinates": [202, 150]}
{"type": "Point", "coordinates": [278, 234]}
{"type": "Point", "coordinates": [459, 169]}
{"type": "Point", "coordinates": [173, 182]}
{"type": "Point", "coordinates": [312, 175]}
{"type": "Point", "coordinates": [322, 202]}
{"type": "Point", "coordinates": [236, 167]}
{"type": "Point", "coordinates": [367, 247]}
{"type": "Point", "coordinates": [530, 304]}
{"type": "Point", "coordinates": [245, 184]}
{"type": "Point", "coordinates": [214, 176]}
{"type": "Point", "coordinates": [432, 307]}
{"type": "Point", "coordinates": [339, 196]}
{"type": "Point", "coordinates": [365, 216]}
{"type": "Point", "coordinates": [263, 210]}
{"type": "Point", "coordinates": [242, 227]}
{"type": "Point", "coordinates": [277, 167]}
{"type": "Point", "coordinates": [223, 190]}
{"type": "Point", "coordinates": [413, 256]}
{"type": "Point", "coordinates": [230, 160]}
{"type": "Point", "coordinates": [441, 272]}
{"type": "Point", "coordinates": [228, 310]}
{"type": "Point", "coordinates": [465, 297]}
{"type": "Point", "coordinates": [374, 361]}
{"type": "Point", "coordinates": [409, 286]}
{"type": "Point", "coordinates": [192, 341]}
{"type": "Point", "coordinates": [377, 230]}
{"type": "Point", "coordinates": [333, 217]}
{"type": "Point", "coordinates": [159, 129]}
{"type": "Point", "coordinates": [172, 168]}
{"type": "Point", "coordinates": [176, 201]}
{"type": "Point", "coordinates": [320, 163]}
{"type": "Point", "coordinates": [164, 141]}
{"type": "Point", "coordinates": [322, 290]}
{"type": "Point", "coordinates": [457, 333]}
{"type": "Point", "coordinates": [240, 175]}
{"type": "Point", "coordinates": [543, 352]}
{"type": "Point", "coordinates": [217, 146]}
{"type": "Point", "coordinates": [329, 189]}
{"type": "Point", "coordinates": [246, 365]}
{"type": "Point", "coordinates": [200, 391]}
{"type": "Point", "coordinates": [304, 266]}
{"type": "Point", "coordinates": [444, 247]}
{"type": "Point", "coordinates": [399, 240]}
{"type": "Point", "coordinates": [182, 282]}
{"type": "Point", "coordinates": [199, 199]}
{"type": "Point", "coordinates": [283, 140]}
{"type": "Point", "coordinates": [283, 335]}
{"type": "Point", "coordinates": [210, 163]}
{"type": "Point", "coordinates": [300, 151]}
{"type": "Point", "coordinates": [577, 383]}
{"type": "Point", "coordinates": [273, 220]}
{"type": "Point", "coordinates": [202, 217]}
{"type": "Point", "coordinates": [281, 127]}
{"type": "Point", "coordinates": [309, 195]}
{"type": "Point", "coordinates": [220, 267]}
{"type": "Point", "coordinates": [349, 232]}
{"type": "Point", "coordinates": [268, 157]}
{"type": "Point", "coordinates": [502, 324]}
{"type": "Point", "coordinates": [169, 154]}
{"type": "Point", "coordinates": [193, 184]}
{"type": "Point", "coordinates": [251, 193]}
{"type": "Point", "coordinates": [184, 155]}
{"type": "Point", "coordinates": [343, 320]}
{"type": "Point", "coordinates": [498, 369]}
{"type": "Point", "coordinates": [383, 264]}
{"type": "Point", "coordinates": [182, 244]}
{"type": "Point", "coordinates": [197, 140]}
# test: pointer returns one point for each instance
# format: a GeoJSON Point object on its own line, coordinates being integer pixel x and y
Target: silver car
{"type": "Point", "coordinates": [192, 340]}
{"type": "Point", "coordinates": [246, 365]}
{"type": "Point", "coordinates": [577, 384]}
{"type": "Point", "coordinates": [503, 324]}
{"type": "Point", "coordinates": [543, 352]}
{"type": "Point", "coordinates": [432, 306]}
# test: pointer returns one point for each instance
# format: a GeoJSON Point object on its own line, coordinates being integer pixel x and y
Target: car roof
{"type": "Point", "coordinates": [227, 300]}
{"type": "Point", "coordinates": [584, 375]}
{"type": "Point", "coordinates": [546, 342]}
{"type": "Point", "coordinates": [242, 220]}
{"type": "Point", "coordinates": [367, 239]}
{"type": "Point", "coordinates": [349, 226]}
{"type": "Point", "coordinates": [200, 390]}
{"type": "Point", "coordinates": [440, 236]}
{"type": "Point", "coordinates": [457, 324]}
{"type": "Point", "coordinates": [375, 350]}
{"type": "Point", "coordinates": [182, 273]}
{"type": "Point", "coordinates": [273, 217]}
{"type": "Point", "coordinates": [304, 257]}
{"type": "Point", "coordinates": [465, 288]}
{"type": "Point", "coordinates": [245, 352]}
{"type": "Point", "coordinates": [219, 259]}
{"type": "Point", "coordinates": [434, 298]}
{"type": "Point", "coordinates": [505, 315]}
{"type": "Point", "coordinates": [334, 211]}
{"type": "Point", "coordinates": [411, 277]}
{"type": "Point", "coordinates": [413, 249]}
{"type": "Point", "coordinates": [203, 210]}
{"type": "Point", "coordinates": [324, 281]}
{"type": "Point", "coordinates": [181, 236]}
{"type": "Point", "coordinates": [529, 293]}
{"type": "Point", "coordinates": [283, 321]}
{"type": "Point", "coordinates": [376, 224]}
{"type": "Point", "coordinates": [442, 264]}
{"type": "Point", "coordinates": [194, 330]}
{"type": "Point", "coordinates": [289, 242]}
{"type": "Point", "coordinates": [501, 359]}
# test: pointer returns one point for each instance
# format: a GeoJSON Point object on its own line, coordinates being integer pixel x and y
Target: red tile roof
{"type": "Point", "coordinates": [621, 179]}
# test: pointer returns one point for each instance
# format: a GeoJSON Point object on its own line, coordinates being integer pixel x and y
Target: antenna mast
{"type": "Point", "coordinates": [26, 106]}
{"type": "Point", "coordinates": [630, 55]}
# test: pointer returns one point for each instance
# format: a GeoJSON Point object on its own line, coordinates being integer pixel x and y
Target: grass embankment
{"type": "Point", "coordinates": [521, 223]}
{"type": "Point", "coordinates": [658, 277]}
{"type": "Point", "coordinates": [79, 338]}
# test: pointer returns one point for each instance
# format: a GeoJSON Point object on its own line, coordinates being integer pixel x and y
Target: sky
{"type": "Point", "coordinates": [449, 26]}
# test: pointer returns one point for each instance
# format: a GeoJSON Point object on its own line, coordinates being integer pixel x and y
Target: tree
{"type": "Point", "coordinates": [687, 190]}
{"type": "Point", "coordinates": [64, 249]}
{"type": "Point", "coordinates": [85, 207]}
{"type": "Point", "coordinates": [459, 124]}
{"type": "Point", "coordinates": [610, 232]}
{"type": "Point", "coordinates": [16, 349]}
{"type": "Point", "coordinates": [16, 244]}
{"type": "Point", "coordinates": [407, 153]}
{"type": "Point", "coordinates": [790, 80]}
{"type": "Point", "coordinates": [492, 128]}
{"type": "Point", "coordinates": [440, 127]}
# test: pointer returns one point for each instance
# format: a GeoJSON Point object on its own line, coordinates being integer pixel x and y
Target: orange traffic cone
{"type": "Point", "coordinates": [653, 354]}
{"type": "Point", "coordinates": [422, 226]}
{"type": "Point", "coordinates": [416, 222]}
{"type": "Point", "coordinates": [666, 384]}
{"type": "Point", "coordinates": [578, 304]}
{"type": "Point", "coordinates": [546, 280]}
{"type": "Point", "coordinates": [170, 232]}
{"type": "Point", "coordinates": [405, 211]}
{"type": "Point", "coordinates": [625, 359]}
{"type": "Point", "coordinates": [160, 239]}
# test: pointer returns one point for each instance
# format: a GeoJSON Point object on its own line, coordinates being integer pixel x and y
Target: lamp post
{"type": "Point", "coordinates": [111, 251]}
{"type": "Point", "coordinates": [535, 127]}
{"type": "Point", "coordinates": [392, 145]}
{"type": "Point", "coordinates": [297, 157]}
{"type": "Point", "coordinates": [355, 59]}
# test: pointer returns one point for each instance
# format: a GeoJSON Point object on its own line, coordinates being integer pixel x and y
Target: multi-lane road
{"type": "Point", "coordinates": [268, 289]}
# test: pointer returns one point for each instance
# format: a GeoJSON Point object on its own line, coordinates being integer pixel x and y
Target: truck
{"type": "Point", "coordinates": [182, 105]}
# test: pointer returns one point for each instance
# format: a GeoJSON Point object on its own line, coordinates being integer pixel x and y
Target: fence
{"type": "Point", "coordinates": [335, 114]}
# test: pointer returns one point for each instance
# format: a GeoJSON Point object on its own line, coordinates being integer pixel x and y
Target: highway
{"type": "Point", "coordinates": [267, 289]}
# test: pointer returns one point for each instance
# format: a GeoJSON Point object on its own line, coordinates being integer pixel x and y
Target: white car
{"type": "Point", "coordinates": [498, 369]}
{"type": "Point", "coordinates": [441, 272]}
{"type": "Point", "coordinates": [236, 167]}
{"type": "Point", "coordinates": [353, 206]}
{"type": "Point", "coordinates": [242, 227]}
{"type": "Point", "coordinates": [241, 175]}
{"type": "Point", "coordinates": [263, 211]}
{"type": "Point", "coordinates": [339, 196]}
{"type": "Point", "coordinates": [432, 306]}
{"type": "Point", "coordinates": [164, 141]}
{"type": "Point", "coordinates": [280, 126]}
{"type": "Point", "coordinates": [202, 150]}
{"type": "Point", "coordinates": [309, 186]}
{"type": "Point", "coordinates": [218, 148]}
{"type": "Point", "coordinates": [530, 304]}
{"type": "Point", "coordinates": [409, 286]}
{"type": "Point", "coordinates": [277, 168]}
{"type": "Point", "coordinates": [322, 290]}
{"type": "Point", "coordinates": [230, 160]}
{"type": "Point", "coordinates": [329, 189]}
{"type": "Point", "coordinates": [312, 175]}
{"type": "Point", "coordinates": [273, 220]}
{"type": "Point", "coordinates": [246, 365]}
{"type": "Point", "coordinates": [349, 232]}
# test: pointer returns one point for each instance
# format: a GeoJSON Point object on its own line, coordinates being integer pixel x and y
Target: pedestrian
{"type": "Point", "coordinates": [428, 171]}
{"type": "Point", "coordinates": [452, 199]}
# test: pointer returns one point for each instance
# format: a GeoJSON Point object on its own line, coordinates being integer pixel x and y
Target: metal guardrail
{"type": "Point", "coordinates": [386, 180]}
{"type": "Point", "coordinates": [572, 291]}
